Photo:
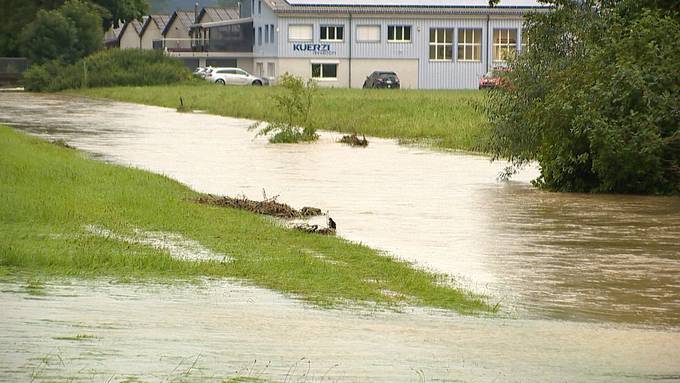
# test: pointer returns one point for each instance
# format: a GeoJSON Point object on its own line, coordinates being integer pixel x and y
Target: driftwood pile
{"type": "Point", "coordinates": [307, 228]}
{"type": "Point", "coordinates": [353, 140]}
{"type": "Point", "coordinates": [63, 144]}
{"type": "Point", "coordinates": [268, 206]}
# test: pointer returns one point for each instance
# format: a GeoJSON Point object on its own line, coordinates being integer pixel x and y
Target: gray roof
{"type": "Point", "coordinates": [414, 3]}
{"type": "Point", "coordinates": [112, 33]}
{"type": "Point", "coordinates": [183, 17]}
{"type": "Point", "coordinates": [136, 26]}
{"type": "Point", "coordinates": [219, 14]}
{"type": "Point", "coordinates": [431, 7]}
{"type": "Point", "coordinates": [160, 20]}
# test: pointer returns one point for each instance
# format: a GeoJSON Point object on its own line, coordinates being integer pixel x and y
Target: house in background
{"type": "Point", "coordinates": [111, 36]}
{"type": "Point", "coordinates": [152, 30]}
{"type": "Point", "coordinates": [129, 35]}
{"type": "Point", "coordinates": [212, 14]}
{"type": "Point", "coordinates": [176, 36]}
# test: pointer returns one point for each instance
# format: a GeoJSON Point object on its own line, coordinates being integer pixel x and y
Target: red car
{"type": "Point", "coordinates": [493, 79]}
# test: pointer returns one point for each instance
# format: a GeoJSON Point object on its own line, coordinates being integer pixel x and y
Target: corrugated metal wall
{"type": "Point", "coordinates": [452, 74]}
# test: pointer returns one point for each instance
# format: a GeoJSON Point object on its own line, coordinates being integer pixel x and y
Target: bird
{"type": "Point", "coordinates": [331, 223]}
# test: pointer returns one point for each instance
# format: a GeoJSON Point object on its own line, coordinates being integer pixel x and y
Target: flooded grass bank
{"type": "Point", "coordinates": [63, 214]}
{"type": "Point", "coordinates": [443, 119]}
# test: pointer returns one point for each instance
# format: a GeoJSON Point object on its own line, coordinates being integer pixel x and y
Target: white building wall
{"type": "Point", "coordinates": [151, 33]}
{"type": "Point", "coordinates": [404, 57]}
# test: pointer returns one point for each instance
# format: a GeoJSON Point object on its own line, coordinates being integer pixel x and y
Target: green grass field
{"type": "Point", "coordinates": [444, 119]}
{"type": "Point", "coordinates": [50, 195]}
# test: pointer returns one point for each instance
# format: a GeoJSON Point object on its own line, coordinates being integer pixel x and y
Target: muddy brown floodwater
{"type": "Point", "coordinates": [589, 284]}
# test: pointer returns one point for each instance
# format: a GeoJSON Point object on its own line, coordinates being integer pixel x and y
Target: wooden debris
{"type": "Point", "coordinates": [353, 140]}
{"type": "Point", "coordinates": [268, 206]}
{"type": "Point", "coordinates": [63, 144]}
{"type": "Point", "coordinates": [315, 229]}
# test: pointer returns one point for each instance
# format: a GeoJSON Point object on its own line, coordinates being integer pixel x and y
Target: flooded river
{"type": "Point", "coordinates": [590, 284]}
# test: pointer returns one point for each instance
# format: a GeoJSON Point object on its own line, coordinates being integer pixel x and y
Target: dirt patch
{"type": "Point", "coordinates": [354, 140]}
{"type": "Point", "coordinates": [268, 206]}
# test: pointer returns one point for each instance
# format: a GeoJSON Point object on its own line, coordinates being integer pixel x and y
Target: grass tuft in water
{"type": "Point", "coordinates": [50, 195]}
{"type": "Point", "coordinates": [79, 337]}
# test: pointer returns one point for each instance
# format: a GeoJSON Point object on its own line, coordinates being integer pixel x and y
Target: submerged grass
{"type": "Point", "coordinates": [50, 195]}
{"type": "Point", "coordinates": [446, 119]}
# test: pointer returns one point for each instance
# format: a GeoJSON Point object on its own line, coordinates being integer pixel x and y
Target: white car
{"type": "Point", "coordinates": [233, 76]}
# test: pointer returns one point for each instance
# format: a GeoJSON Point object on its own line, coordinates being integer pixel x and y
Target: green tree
{"type": "Point", "coordinates": [122, 10]}
{"type": "Point", "coordinates": [88, 23]}
{"type": "Point", "coordinates": [66, 34]}
{"type": "Point", "coordinates": [51, 36]}
{"type": "Point", "coordinates": [595, 99]}
{"type": "Point", "coordinates": [14, 15]}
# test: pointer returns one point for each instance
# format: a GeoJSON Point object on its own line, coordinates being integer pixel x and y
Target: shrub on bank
{"type": "Point", "coordinates": [296, 104]}
{"type": "Point", "coordinates": [595, 99]}
{"type": "Point", "coordinates": [114, 67]}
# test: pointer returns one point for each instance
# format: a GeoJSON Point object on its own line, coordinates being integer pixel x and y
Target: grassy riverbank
{"type": "Point", "coordinates": [51, 197]}
{"type": "Point", "coordinates": [445, 119]}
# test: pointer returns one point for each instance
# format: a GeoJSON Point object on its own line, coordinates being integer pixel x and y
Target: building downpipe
{"type": "Point", "coordinates": [487, 44]}
{"type": "Point", "coordinates": [350, 37]}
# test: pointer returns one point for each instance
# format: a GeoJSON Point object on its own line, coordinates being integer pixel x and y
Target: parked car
{"type": "Point", "coordinates": [493, 78]}
{"type": "Point", "coordinates": [200, 72]}
{"type": "Point", "coordinates": [233, 76]}
{"type": "Point", "coordinates": [382, 79]}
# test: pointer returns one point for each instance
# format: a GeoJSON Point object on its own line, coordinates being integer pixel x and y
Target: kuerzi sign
{"type": "Point", "coordinates": [317, 49]}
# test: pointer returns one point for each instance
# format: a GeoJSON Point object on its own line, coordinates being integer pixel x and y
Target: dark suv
{"type": "Point", "coordinates": [380, 79]}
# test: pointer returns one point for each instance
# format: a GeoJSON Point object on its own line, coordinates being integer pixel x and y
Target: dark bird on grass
{"type": "Point", "coordinates": [331, 223]}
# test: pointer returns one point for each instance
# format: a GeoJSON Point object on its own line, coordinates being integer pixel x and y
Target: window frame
{"type": "Point", "coordinates": [472, 44]}
{"type": "Point", "coordinates": [500, 46]}
{"type": "Point", "coordinates": [438, 44]}
{"type": "Point", "coordinates": [259, 35]}
{"type": "Point", "coordinates": [369, 41]}
{"type": "Point", "coordinates": [311, 26]}
{"type": "Point", "coordinates": [321, 71]}
{"type": "Point", "coordinates": [403, 30]}
{"type": "Point", "coordinates": [336, 27]}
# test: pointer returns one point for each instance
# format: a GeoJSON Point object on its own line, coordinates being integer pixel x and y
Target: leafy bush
{"type": "Point", "coordinates": [295, 104]}
{"type": "Point", "coordinates": [67, 34]}
{"type": "Point", "coordinates": [595, 100]}
{"type": "Point", "coordinates": [113, 67]}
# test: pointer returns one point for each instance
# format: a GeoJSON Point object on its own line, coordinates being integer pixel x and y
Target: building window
{"type": "Point", "coordinates": [259, 69]}
{"type": "Point", "coordinates": [300, 32]}
{"type": "Point", "coordinates": [259, 35]}
{"type": "Point", "coordinates": [469, 45]}
{"type": "Point", "coordinates": [524, 41]}
{"type": "Point", "coordinates": [266, 34]}
{"type": "Point", "coordinates": [259, 7]}
{"type": "Point", "coordinates": [271, 70]}
{"type": "Point", "coordinates": [441, 44]}
{"type": "Point", "coordinates": [325, 71]}
{"type": "Point", "coordinates": [399, 34]}
{"type": "Point", "coordinates": [332, 33]}
{"type": "Point", "coordinates": [368, 33]}
{"type": "Point", "coordinates": [271, 33]}
{"type": "Point", "coordinates": [504, 44]}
